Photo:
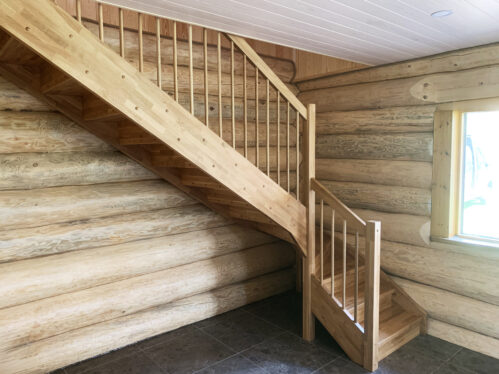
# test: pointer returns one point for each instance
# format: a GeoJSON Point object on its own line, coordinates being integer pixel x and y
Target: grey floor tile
{"type": "Point", "coordinates": [283, 311]}
{"type": "Point", "coordinates": [453, 369]}
{"type": "Point", "coordinates": [429, 345]}
{"type": "Point", "coordinates": [476, 362]}
{"type": "Point", "coordinates": [59, 371]}
{"type": "Point", "coordinates": [324, 340]}
{"type": "Point", "coordinates": [242, 331]}
{"type": "Point", "coordinates": [164, 338]}
{"type": "Point", "coordinates": [234, 365]}
{"type": "Point", "coordinates": [342, 366]}
{"type": "Point", "coordinates": [85, 366]}
{"type": "Point", "coordinates": [188, 352]}
{"type": "Point", "coordinates": [409, 361]}
{"type": "Point", "coordinates": [137, 363]}
{"type": "Point", "coordinates": [229, 316]}
{"type": "Point", "coordinates": [288, 353]}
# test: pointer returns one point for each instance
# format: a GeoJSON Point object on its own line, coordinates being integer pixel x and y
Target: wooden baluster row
{"type": "Point", "coordinates": [141, 42]}
{"type": "Point", "coordinates": [321, 240]}
{"type": "Point", "coordinates": [175, 74]}
{"type": "Point", "coordinates": [297, 155]}
{"type": "Point", "coordinates": [232, 94]}
{"type": "Point", "coordinates": [332, 252]}
{"type": "Point", "coordinates": [245, 104]}
{"type": "Point", "coordinates": [158, 51]}
{"type": "Point", "coordinates": [191, 70]}
{"type": "Point", "coordinates": [122, 33]}
{"type": "Point", "coordinates": [287, 148]}
{"type": "Point", "coordinates": [78, 10]}
{"type": "Point", "coordinates": [343, 296]}
{"type": "Point", "coordinates": [219, 52]}
{"type": "Point", "coordinates": [268, 127]}
{"type": "Point", "coordinates": [100, 17]}
{"type": "Point", "coordinates": [278, 138]}
{"type": "Point", "coordinates": [356, 297]}
{"type": "Point", "coordinates": [206, 104]}
{"type": "Point", "coordinates": [257, 138]}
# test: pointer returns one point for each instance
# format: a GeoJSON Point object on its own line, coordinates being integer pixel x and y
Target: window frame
{"type": "Point", "coordinates": [447, 183]}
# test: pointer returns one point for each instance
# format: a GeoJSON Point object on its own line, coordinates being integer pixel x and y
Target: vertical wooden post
{"type": "Point", "coordinates": [219, 61]}
{"type": "Point", "coordinates": [245, 98]}
{"type": "Point", "coordinates": [287, 148]}
{"type": "Point", "coordinates": [206, 104]}
{"type": "Point", "coordinates": [371, 313]}
{"type": "Point", "coordinates": [122, 33]}
{"type": "Point", "coordinates": [141, 43]}
{"type": "Point", "coordinates": [309, 260]}
{"type": "Point", "coordinates": [191, 71]}
{"type": "Point", "coordinates": [267, 157]}
{"type": "Point", "coordinates": [298, 156]}
{"type": "Point", "coordinates": [100, 17]}
{"type": "Point", "coordinates": [257, 133]}
{"type": "Point", "coordinates": [332, 253]}
{"type": "Point", "coordinates": [175, 73]}
{"type": "Point", "coordinates": [232, 94]}
{"type": "Point", "coordinates": [278, 145]}
{"type": "Point", "coordinates": [78, 10]}
{"type": "Point", "coordinates": [158, 50]}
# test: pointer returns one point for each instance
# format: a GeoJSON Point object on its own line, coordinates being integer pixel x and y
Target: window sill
{"type": "Point", "coordinates": [473, 246]}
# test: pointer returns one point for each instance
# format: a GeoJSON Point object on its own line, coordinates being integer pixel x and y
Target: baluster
{"type": "Point", "coordinates": [101, 22]}
{"type": "Point", "coordinates": [356, 297]}
{"type": "Point", "coordinates": [268, 127]}
{"type": "Point", "coordinates": [321, 240]}
{"type": "Point", "coordinates": [233, 106]}
{"type": "Point", "coordinates": [191, 71]}
{"type": "Point", "coordinates": [297, 155]}
{"type": "Point", "coordinates": [257, 135]}
{"type": "Point", "coordinates": [332, 252]}
{"type": "Point", "coordinates": [219, 53]}
{"type": "Point", "coordinates": [278, 138]}
{"type": "Point", "coordinates": [287, 147]}
{"type": "Point", "coordinates": [175, 73]}
{"type": "Point", "coordinates": [206, 104]}
{"type": "Point", "coordinates": [141, 43]}
{"type": "Point", "coordinates": [78, 10]}
{"type": "Point", "coordinates": [344, 264]}
{"type": "Point", "coordinates": [245, 94]}
{"type": "Point", "coordinates": [122, 33]}
{"type": "Point", "coordinates": [158, 51]}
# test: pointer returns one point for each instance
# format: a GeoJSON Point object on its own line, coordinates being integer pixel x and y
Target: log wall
{"type": "Point", "coordinates": [375, 152]}
{"type": "Point", "coordinates": [97, 253]}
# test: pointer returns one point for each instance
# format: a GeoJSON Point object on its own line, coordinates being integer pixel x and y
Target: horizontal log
{"type": "Point", "coordinates": [285, 69]}
{"type": "Point", "coordinates": [27, 323]}
{"type": "Point", "coordinates": [478, 83]}
{"type": "Point", "coordinates": [391, 120]}
{"type": "Point", "coordinates": [447, 62]}
{"type": "Point", "coordinates": [40, 207]}
{"type": "Point", "coordinates": [61, 350]}
{"type": "Point", "coordinates": [465, 338]}
{"type": "Point", "coordinates": [381, 198]}
{"type": "Point", "coordinates": [457, 310]}
{"type": "Point", "coordinates": [15, 99]}
{"type": "Point", "coordinates": [404, 147]}
{"type": "Point", "coordinates": [39, 170]}
{"type": "Point", "coordinates": [34, 279]}
{"type": "Point", "coordinates": [45, 132]}
{"type": "Point", "coordinates": [403, 228]}
{"type": "Point", "coordinates": [63, 237]}
{"type": "Point", "coordinates": [387, 172]}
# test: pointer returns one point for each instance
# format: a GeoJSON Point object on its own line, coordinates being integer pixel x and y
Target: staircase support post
{"type": "Point", "coordinates": [372, 289]}
{"type": "Point", "coordinates": [309, 260]}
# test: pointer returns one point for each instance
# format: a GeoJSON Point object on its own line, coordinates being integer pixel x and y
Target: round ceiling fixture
{"type": "Point", "coordinates": [441, 13]}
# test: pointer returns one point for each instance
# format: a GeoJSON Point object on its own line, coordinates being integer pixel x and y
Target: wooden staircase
{"type": "Point", "coordinates": [47, 52]}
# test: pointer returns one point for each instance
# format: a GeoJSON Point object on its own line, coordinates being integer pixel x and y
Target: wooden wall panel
{"type": "Point", "coordinates": [375, 151]}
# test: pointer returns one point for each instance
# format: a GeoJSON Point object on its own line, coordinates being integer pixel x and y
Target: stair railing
{"type": "Point", "coordinates": [269, 108]}
{"type": "Point", "coordinates": [334, 220]}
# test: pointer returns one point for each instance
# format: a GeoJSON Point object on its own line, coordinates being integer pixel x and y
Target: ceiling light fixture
{"type": "Point", "coordinates": [441, 13]}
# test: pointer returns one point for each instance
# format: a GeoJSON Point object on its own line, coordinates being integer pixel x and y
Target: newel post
{"type": "Point", "coordinates": [309, 261]}
{"type": "Point", "coordinates": [371, 320]}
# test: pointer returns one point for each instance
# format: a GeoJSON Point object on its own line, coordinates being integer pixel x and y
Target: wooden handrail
{"type": "Point", "coordinates": [340, 208]}
{"type": "Point", "coordinates": [243, 45]}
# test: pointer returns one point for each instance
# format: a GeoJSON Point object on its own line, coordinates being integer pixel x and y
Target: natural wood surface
{"type": "Point", "coordinates": [27, 323]}
{"type": "Point", "coordinates": [62, 350]}
{"type": "Point", "coordinates": [13, 98]}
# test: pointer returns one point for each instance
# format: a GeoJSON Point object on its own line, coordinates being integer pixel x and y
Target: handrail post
{"type": "Point", "coordinates": [371, 320]}
{"type": "Point", "coordinates": [309, 260]}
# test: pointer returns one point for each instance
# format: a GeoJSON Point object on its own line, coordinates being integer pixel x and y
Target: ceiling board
{"type": "Point", "coordinates": [368, 31]}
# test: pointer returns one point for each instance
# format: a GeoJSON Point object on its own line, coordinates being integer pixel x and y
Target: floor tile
{"type": "Point", "coordinates": [450, 368]}
{"type": "Point", "coordinates": [324, 340]}
{"type": "Point", "coordinates": [288, 353]}
{"type": "Point", "coordinates": [234, 365]}
{"type": "Point", "coordinates": [429, 345]}
{"type": "Point", "coordinates": [409, 361]}
{"type": "Point", "coordinates": [476, 362]}
{"type": "Point", "coordinates": [59, 371]}
{"type": "Point", "coordinates": [283, 311]}
{"type": "Point", "coordinates": [85, 366]}
{"type": "Point", "coordinates": [242, 331]}
{"type": "Point", "coordinates": [137, 363]}
{"type": "Point", "coordinates": [342, 366]}
{"type": "Point", "coordinates": [229, 316]}
{"type": "Point", "coordinates": [188, 352]}
{"type": "Point", "coordinates": [164, 338]}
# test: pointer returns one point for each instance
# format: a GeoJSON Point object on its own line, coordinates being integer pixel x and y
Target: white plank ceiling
{"type": "Point", "coordinates": [367, 31]}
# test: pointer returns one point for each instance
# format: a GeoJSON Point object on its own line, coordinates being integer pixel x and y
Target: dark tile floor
{"type": "Point", "coordinates": [265, 338]}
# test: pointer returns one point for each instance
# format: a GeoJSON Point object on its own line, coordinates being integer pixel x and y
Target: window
{"type": "Point", "coordinates": [479, 205]}
{"type": "Point", "coordinates": [465, 188]}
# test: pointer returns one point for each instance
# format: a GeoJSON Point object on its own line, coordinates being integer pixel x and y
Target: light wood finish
{"type": "Point", "coordinates": [175, 62]}
{"type": "Point", "coordinates": [245, 95]}
{"type": "Point", "coordinates": [206, 85]}
{"type": "Point", "coordinates": [267, 117]}
{"type": "Point", "coordinates": [141, 42]}
{"type": "Point", "coordinates": [257, 131]}
{"type": "Point", "coordinates": [297, 155]}
{"type": "Point", "coordinates": [158, 52]}
{"type": "Point", "coordinates": [100, 17]}
{"type": "Point", "coordinates": [232, 83]}
{"type": "Point", "coordinates": [278, 135]}
{"type": "Point", "coordinates": [446, 174]}
{"type": "Point", "coordinates": [122, 33]}
{"type": "Point", "coordinates": [78, 10]}
{"type": "Point", "coordinates": [191, 72]}
{"type": "Point", "coordinates": [219, 60]}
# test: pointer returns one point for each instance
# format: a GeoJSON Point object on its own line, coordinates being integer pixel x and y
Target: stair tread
{"type": "Point", "coordinates": [398, 322]}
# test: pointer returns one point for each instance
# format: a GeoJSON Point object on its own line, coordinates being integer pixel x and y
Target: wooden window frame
{"type": "Point", "coordinates": [448, 169]}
